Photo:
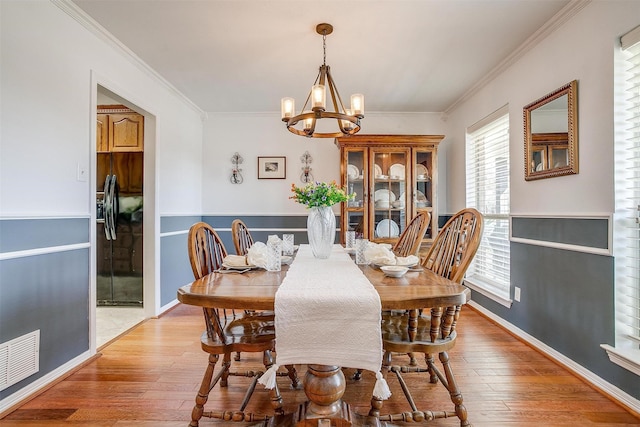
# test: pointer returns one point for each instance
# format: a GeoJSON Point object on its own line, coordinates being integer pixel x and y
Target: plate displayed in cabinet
{"type": "Point", "coordinates": [387, 228]}
{"type": "Point", "coordinates": [385, 195]}
{"type": "Point", "coordinates": [352, 171]}
{"type": "Point", "coordinates": [397, 171]}
{"type": "Point", "coordinates": [422, 170]}
{"type": "Point", "coordinates": [377, 169]}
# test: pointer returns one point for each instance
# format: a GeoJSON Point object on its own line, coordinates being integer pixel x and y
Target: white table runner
{"type": "Point", "coordinates": [328, 313]}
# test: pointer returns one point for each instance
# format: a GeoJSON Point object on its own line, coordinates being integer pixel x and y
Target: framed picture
{"type": "Point", "coordinates": [272, 167]}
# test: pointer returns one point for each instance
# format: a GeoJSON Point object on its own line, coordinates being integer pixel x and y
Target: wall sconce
{"type": "Point", "coordinates": [236, 176]}
{"type": "Point", "coordinates": [306, 160]}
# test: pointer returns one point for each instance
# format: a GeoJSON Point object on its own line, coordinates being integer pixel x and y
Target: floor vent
{"type": "Point", "coordinates": [19, 358]}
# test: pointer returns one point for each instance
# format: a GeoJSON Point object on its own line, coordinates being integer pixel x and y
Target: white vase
{"type": "Point", "coordinates": [321, 231]}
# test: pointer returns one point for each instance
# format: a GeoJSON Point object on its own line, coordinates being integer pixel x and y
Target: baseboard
{"type": "Point", "coordinates": [612, 392]}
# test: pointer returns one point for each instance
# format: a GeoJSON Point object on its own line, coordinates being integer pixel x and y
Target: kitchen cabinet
{"type": "Point", "coordinates": [120, 147]}
{"type": "Point", "coordinates": [119, 129]}
{"type": "Point", "coordinates": [394, 177]}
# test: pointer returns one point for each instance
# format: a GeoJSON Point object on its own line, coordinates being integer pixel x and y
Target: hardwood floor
{"type": "Point", "coordinates": [150, 376]}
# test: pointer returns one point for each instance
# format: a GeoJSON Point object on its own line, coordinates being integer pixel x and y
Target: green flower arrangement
{"type": "Point", "coordinates": [320, 194]}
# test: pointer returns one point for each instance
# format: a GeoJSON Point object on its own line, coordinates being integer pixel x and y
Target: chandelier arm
{"type": "Point", "coordinates": [323, 115]}
{"type": "Point", "coordinates": [335, 94]}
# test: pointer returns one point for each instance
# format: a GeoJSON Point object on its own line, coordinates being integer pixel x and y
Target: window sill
{"type": "Point", "coordinates": [485, 289]}
{"type": "Point", "coordinates": [626, 358]}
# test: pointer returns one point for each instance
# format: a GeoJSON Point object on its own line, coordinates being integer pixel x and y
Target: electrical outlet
{"type": "Point", "coordinates": [81, 174]}
{"type": "Point", "coordinates": [516, 294]}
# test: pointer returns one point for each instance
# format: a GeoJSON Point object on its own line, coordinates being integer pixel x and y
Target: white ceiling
{"type": "Point", "coordinates": [244, 55]}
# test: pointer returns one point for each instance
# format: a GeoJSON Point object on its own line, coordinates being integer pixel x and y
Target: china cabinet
{"type": "Point", "coordinates": [394, 177]}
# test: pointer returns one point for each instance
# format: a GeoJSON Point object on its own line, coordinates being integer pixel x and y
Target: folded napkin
{"type": "Point", "coordinates": [379, 254]}
{"type": "Point", "coordinates": [235, 261]}
{"type": "Point", "coordinates": [257, 255]}
{"type": "Point", "coordinates": [407, 260]}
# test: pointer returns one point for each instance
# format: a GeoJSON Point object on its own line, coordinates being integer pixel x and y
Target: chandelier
{"type": "Point", "coordinates": [315, 107]}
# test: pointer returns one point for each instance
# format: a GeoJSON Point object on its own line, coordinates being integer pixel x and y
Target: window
{"type": "Point", "coordinates": [487, 168]}
{"type": "Point", "coordinates": [627, 217]}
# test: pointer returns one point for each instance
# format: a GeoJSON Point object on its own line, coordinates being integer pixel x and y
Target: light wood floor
{"type": "Point", "coordinates": [149, 377]}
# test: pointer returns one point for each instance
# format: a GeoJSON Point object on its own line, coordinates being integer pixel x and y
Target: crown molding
{"type": "Point", "coordinates": [102, 33]}
{"type": "Point", "coordinates": [565, 14]}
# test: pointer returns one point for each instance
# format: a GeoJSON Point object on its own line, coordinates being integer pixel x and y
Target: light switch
{"type": "Point", "coordinates": [81, 173]}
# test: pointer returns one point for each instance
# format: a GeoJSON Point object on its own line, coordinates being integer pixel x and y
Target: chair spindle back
{"type": "Point", "coordinates": [206, 250]}
{"type": "Point", "coordinates": [411, 237]}
{"type": "Point", "coordinates": [456, 245]}
{"type": "Point", "coordinates": [242, 239]}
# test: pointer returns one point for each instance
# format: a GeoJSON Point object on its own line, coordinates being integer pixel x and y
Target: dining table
{"type": "Point", "coordinates": [324, 383]}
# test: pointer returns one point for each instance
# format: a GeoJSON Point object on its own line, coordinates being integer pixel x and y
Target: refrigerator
{"type": "Point", "coordinates": [119, 207]}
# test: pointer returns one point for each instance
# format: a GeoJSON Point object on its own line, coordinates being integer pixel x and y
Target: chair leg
{"type": "Point", "coordinates": [357, 375]}
{"type": "Point", "coordinates": [412, 359]}
{"type": "Point", "coordinates": [203, 393]}
{"type": "Point", "coordinates": [376, 403]}
{"type": "Point", "coordinates": [433, 378]}
{"type": "Point", "coordinates": [276, 398]}
{"type": "Point", "coordinates": [237, 357]}
{"type": "Point", "coordinates": [454, 391]}
{"type": "Point", "coordinates": [226, 364]}
{"type": "Point", "coordinates": [293, 375]}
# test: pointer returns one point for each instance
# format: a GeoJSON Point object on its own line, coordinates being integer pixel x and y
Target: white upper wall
{"type": "Point", "coordinates": [254, 135]}
{"type": "Point", "coordinates": [50, 67]}
{"type": "Point", "coordinates": [581, 49]}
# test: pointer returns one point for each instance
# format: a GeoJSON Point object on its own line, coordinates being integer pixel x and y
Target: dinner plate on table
{"type": "Point", "coordinates": [239, 267]}
{"type": "Point", "coordinates": [387, 228]}
{"type": "Point", "coordinates": [286, 260]}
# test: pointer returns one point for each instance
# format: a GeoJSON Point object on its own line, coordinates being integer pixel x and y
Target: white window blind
{"type": "Point", "coordinates": [487, 172]}
{"type": "Point", "coordinates": [628, 202]}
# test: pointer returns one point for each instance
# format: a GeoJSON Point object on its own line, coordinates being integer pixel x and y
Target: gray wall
{"type": "Point", "coordinates": [567, 297]}
{"type": "Point", "coordinates": [49, 292]}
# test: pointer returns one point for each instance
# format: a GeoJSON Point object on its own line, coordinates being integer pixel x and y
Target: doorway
{"type": "Point", "coordinates": [119, 195]}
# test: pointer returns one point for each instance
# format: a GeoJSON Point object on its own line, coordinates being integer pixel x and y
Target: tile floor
{"type": "Point", "coordinates": [113, 321]}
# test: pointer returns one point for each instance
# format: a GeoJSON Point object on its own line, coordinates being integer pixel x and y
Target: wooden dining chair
{"type": "Point", "coordinates": [409, 241]}
{"type": "Point", "coordinates": [228, 331]}
{"type": "Point", "coordinates": [432, 330]}
{"type": "Point", "coordinates": [242, 239]}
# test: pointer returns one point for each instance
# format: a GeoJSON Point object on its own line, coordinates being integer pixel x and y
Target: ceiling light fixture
{"type": "Point", "coordinates": [348, 121]}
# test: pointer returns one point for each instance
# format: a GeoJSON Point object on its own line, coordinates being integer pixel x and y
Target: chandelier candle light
{"type": "Point", "coordinates": [347, 120]}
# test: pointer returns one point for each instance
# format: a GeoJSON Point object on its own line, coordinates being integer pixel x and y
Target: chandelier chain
{"type": "Point", "coordinates": [324, 47]}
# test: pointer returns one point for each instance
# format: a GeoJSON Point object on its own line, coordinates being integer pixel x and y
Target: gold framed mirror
{"type": "Point", "coordinates": [551, 134]}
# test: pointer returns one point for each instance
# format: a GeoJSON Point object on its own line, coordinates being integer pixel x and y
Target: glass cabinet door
{"type": "Point", "coordinates": [390, 174]}
{"type": "Point", "coordinates": [356, 183]}
{"type": "Point", "coordinates": [558, 156]}
{"type": "Point", "coordinates": [424, 186]}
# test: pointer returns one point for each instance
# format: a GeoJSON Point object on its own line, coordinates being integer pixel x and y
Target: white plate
{"type": "Point", "coordinates": [285, 259]}
{"type": "Point", "coordinates": [387, 228]}
{"type": "Point", "coordinates": [420, 197]}
{"type": "Point", "coordinates": [397, 170]}
{"type": "Point", "coordinates": [385, 195]}
{"type": "Point", "coordinates": [239, 267]}
{"type": "Point", "coordinates": [352, 171]}
{"type": "Point", "coordinates": [378, 170]}
{"type": "Point", "coordinates": [422, 170]}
